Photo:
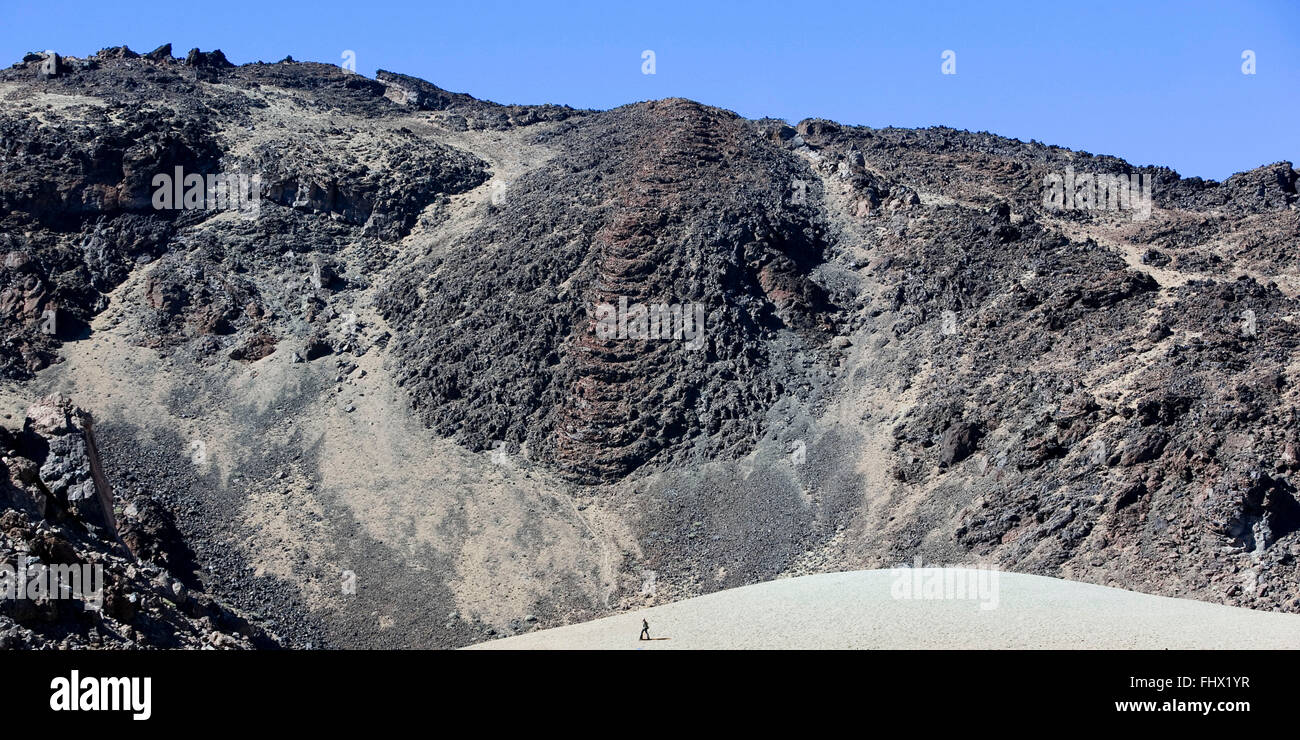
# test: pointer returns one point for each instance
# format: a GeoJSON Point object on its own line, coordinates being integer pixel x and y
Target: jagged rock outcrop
{"type": "Point", "coordinates": [673, 208]}
{"type": "Point", "coordinates": [462, 112]}
{"type": "Point", "coordinates": [71, 476]}
{"type": "Point", "coordinates": [88, 189]}
{"type": "Point", "coordinates": [382, 191]}
{"type": "Point", "coordinates": [73, 574]}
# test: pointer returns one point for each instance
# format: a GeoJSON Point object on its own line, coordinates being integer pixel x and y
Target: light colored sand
{"type": "Point", "coordinates": [859, 610]}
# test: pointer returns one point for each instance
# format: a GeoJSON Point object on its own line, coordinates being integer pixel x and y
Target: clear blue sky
{"type": "Point", "coordinates": [1153, 82]}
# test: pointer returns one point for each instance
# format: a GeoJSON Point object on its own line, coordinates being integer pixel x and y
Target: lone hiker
{"type": "Point", "coordinates": [645, 630]}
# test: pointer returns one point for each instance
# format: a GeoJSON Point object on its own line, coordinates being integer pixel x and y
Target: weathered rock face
{"type": "Point", "coordinates": [382, 191]}
{"type": "Point", "coordinates": [83, 190]}
{"type": "Point", "coordinates": [1137, 412]}
{"type": "Point", "coordinates": [57, 516]}
{"type": "Point", "coordinates": [72, 473]}
{"type": "Point", "coordinates": [906, 349]}
{"type": "Point", "coordinates": [462, 112]}
{"type": "Point", "coordinates": [665, 203]}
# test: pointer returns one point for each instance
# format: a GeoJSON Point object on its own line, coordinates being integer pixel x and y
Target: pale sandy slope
{"type": "Point", "coordinates": [858, 610]}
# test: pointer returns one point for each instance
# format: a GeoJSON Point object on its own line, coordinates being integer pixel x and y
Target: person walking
{"type": "Point", "coordinates": [645, 630]}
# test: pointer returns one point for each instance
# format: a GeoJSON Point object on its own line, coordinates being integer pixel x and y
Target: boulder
{"type": "Point", "coordinates": [1143, 448]}
{"type": "Point", "coordinates": [958, 443]}
{"type": "Point", "coordinates": [213, 59]}
{"type": "Point", "coordinates": [71, 472]}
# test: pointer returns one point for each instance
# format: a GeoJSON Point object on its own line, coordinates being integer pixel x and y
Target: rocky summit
{"type": "Point", "coordinates": [303, 358]}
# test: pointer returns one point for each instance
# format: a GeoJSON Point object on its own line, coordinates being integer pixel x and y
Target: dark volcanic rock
{"type": "Point", "coordinates": [122, 598]}
{"type": "Point", "coordinates": [161, 54]}
{"type": "Point", "coordinates": [383, 195]}
{"type": "Point", "coordinates": [71, 473]}
{"type": "Point", "coordinates": [674, 206]}
{"type": "Point", "coordinates": [958, 443]}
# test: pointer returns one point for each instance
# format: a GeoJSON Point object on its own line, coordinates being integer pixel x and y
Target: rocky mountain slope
{"type": "Point", "coordinates": [377, 407]}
